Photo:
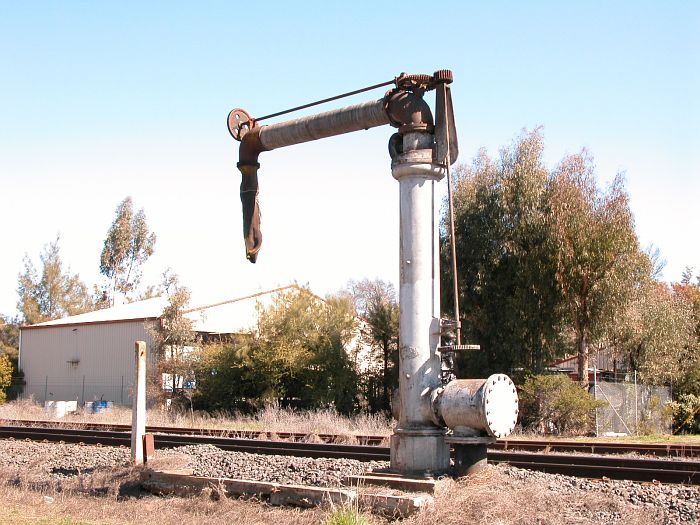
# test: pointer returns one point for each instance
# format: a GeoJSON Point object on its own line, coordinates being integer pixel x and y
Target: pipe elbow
{"type": "Point", "coordinates": [250, 148]}
{"type": "Point", "coordinates": [408, 111]}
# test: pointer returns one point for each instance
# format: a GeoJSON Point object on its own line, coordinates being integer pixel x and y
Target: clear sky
{"type": "Point", "coordinates": [100, 100]}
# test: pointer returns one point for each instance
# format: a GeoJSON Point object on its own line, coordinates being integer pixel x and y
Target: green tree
{"type": "Point", "coordinates": [655, 333]}
{"type": "Point", "coordinates": [299, 352]}
{"type": "Point", "coordinates": [52, 292]}
{"type": "Point", "coordinates": [598, 260]}
{"type": "Point", "coordinates": [225, 377]}
{"type": "Point", "coordinates": [174, 338]}
{"type": "Point", "coordinates": [375, 301]}
{"type": "Point", "coordinates": [689, 291]}
{"type": "Point", "coordinates": [510, 302]}
{"type": "Point", "coordinates": [9, 347]}
{"type": "Point", "coordinates": [127, 247]}
{"type": "Point", "coordinates": [555, 404]}
{"type": "Point", "coordinates": [9, 336]}
{"type": "Point", "coordinates": [5, 376]}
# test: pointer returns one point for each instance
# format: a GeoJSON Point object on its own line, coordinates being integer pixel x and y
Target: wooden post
{"type": "Point", "coordinates": [138, 412]}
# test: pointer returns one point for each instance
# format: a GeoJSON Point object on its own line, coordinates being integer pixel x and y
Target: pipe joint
{"type": "Point", "coordinates": [251, 146]}
{"type": "Point", "coordinates": [473, 407]}
{"type": "Point", "coordinates": [408, 111]}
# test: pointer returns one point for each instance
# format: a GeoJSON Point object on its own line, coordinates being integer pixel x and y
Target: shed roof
{"type": "Point", "coordinates": [228, 316]}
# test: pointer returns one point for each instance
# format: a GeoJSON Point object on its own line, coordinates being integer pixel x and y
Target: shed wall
{"type": "Point", "coordinates": [82, 362]}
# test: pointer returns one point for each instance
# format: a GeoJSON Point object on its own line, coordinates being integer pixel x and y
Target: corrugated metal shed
{"type": "Point", "coordinates": [91, 356]}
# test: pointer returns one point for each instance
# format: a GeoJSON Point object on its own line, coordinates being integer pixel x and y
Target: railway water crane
{"type": "Point", "coordinates": [465, 413]}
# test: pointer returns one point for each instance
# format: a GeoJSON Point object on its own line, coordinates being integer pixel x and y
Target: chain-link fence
{"type": "Point", "coordinates": [631, 408]}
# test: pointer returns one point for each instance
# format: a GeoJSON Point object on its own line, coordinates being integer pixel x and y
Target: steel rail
{"type": "Point", "coordinates": [221, 432]}
{"type": "Point", "coordinates": [600, 447]}
{"type": "Point", "coordinates": [588, 466]}
{"type": "Point", "coordinates": [680, 450]}
{"type": "Point", "coordinates": [636, 469]}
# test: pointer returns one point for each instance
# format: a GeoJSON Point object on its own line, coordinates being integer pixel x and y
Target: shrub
{"type": "Point", "coordinates": [554, 404]}
{"type": "Point", "coordinates": [686, 414]}
{"type": "Point", "coordinates": [5, 376]}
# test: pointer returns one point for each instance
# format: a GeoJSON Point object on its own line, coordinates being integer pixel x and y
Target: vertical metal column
{"type": "Point", "coordinates": [418, 444]}
{"type": "Point", "coordinates": [138, 412]}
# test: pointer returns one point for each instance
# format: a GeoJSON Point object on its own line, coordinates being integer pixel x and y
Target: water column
{"type": "Point", "coordinates": [418, 444]}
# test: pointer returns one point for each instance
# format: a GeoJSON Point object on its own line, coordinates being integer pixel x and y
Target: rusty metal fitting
{"type": "Point", "coordinates": [251, 146]}
{"type": "Point", "coordinates": [251, 211]}
{"type": "Point", "coordinates": [395, 145]}
{"type": "Point", "coordinates": [408, 111]}
{"type": "Point", "coordinates": [443, 76]}
{"type": "Point", "coordinates": [239, 123]}
{"type": "Point", "coordinates": [414, 82]}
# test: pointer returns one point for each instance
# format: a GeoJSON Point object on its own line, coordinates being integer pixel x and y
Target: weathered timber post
{"type": "Point", "coordinates": [138, 412]}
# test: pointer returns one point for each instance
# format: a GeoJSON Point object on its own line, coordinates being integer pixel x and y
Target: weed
{"type": "Point", "coordinates": [346, 516]}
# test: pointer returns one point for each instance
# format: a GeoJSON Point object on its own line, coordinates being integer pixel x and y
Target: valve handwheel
{"type": "Point", "coordinates": [239, 123]}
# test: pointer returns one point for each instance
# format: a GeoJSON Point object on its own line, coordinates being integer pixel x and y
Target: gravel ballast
{"type": "Point", "coordinates": [51, 462]}
{"type": "Point", "coordinates": [209, 461]}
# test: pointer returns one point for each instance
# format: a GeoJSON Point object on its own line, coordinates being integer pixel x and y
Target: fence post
{"type": "Point", "coordinates": [636, 410]}
{"type": "Point", "coordinates": [595, 396]}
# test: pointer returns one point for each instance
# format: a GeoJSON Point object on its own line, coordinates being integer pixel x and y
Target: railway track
{"type": "Point", "coordinates": [582, 465]}
{"type": "Point", "coordinates": [231, 433]}
{"type": "Point", "coordinates": [671, 450]}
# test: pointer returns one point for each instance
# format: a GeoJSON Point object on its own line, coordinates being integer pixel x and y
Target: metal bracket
{"type": "Point", "coordinates": [448, 327]}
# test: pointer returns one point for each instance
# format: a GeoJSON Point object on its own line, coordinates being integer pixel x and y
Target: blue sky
{"type": "Point", "coordinates": [101, 100]}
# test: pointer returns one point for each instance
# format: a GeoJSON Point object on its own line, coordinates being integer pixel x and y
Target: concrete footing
{"type": "Point", "coordinates": [183, 483]}
{"type": "Point", "coordinates": [419, 453]}
{"type": "Point", "coordinates": [469, 453]}
{"type": "Point", "coordinates": [393, 481]}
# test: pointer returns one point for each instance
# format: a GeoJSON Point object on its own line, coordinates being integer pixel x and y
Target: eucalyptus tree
{"type": "Point", "coordinates": [510, 301]}
{"type": "Point", "coordinates": [128, 245]}
{"type": "Point", "coordinates": [50, 292]}
{"type": "Point", "coordinates": [688, 290]}
{"type": "Point", "coordinates": [598, 259]}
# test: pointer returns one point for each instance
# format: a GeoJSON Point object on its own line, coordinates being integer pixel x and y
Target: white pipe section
{"type": "Point", "coordinates": [419, 294]}
{"type": "Point", "coordinates": [138, 412]}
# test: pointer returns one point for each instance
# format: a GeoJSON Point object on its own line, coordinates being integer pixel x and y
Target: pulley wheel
{"type": "Point", "coordinates": [239, 123]}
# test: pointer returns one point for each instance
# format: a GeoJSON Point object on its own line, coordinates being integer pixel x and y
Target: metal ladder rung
{"type": "Point", "coordinates": [458, 348]}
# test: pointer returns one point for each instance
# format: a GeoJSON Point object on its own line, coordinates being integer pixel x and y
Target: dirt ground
{"type": "Point", "coordinates": [493, 497]}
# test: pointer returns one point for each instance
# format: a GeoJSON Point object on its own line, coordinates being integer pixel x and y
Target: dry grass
{"type": "Point", "coordinates": [271, 419]}
{"type": "Point", "coordinates": [106, 501]}
{"type": "Point", "coordinates": [651, 439]}
{"type": "Point", "coordinates": [492, 498]}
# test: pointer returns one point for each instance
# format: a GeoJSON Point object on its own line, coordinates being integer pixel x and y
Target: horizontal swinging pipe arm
{"type": "Point", "coordinates": [401, 108]}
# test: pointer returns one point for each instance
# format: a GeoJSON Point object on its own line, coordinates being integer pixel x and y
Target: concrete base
{"type": "Point", "coordinates": [183, 483]}
{"type": "Point", "coordinates": [419, 452]}
{"type": "Point", "coordinates": [392, 481]}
